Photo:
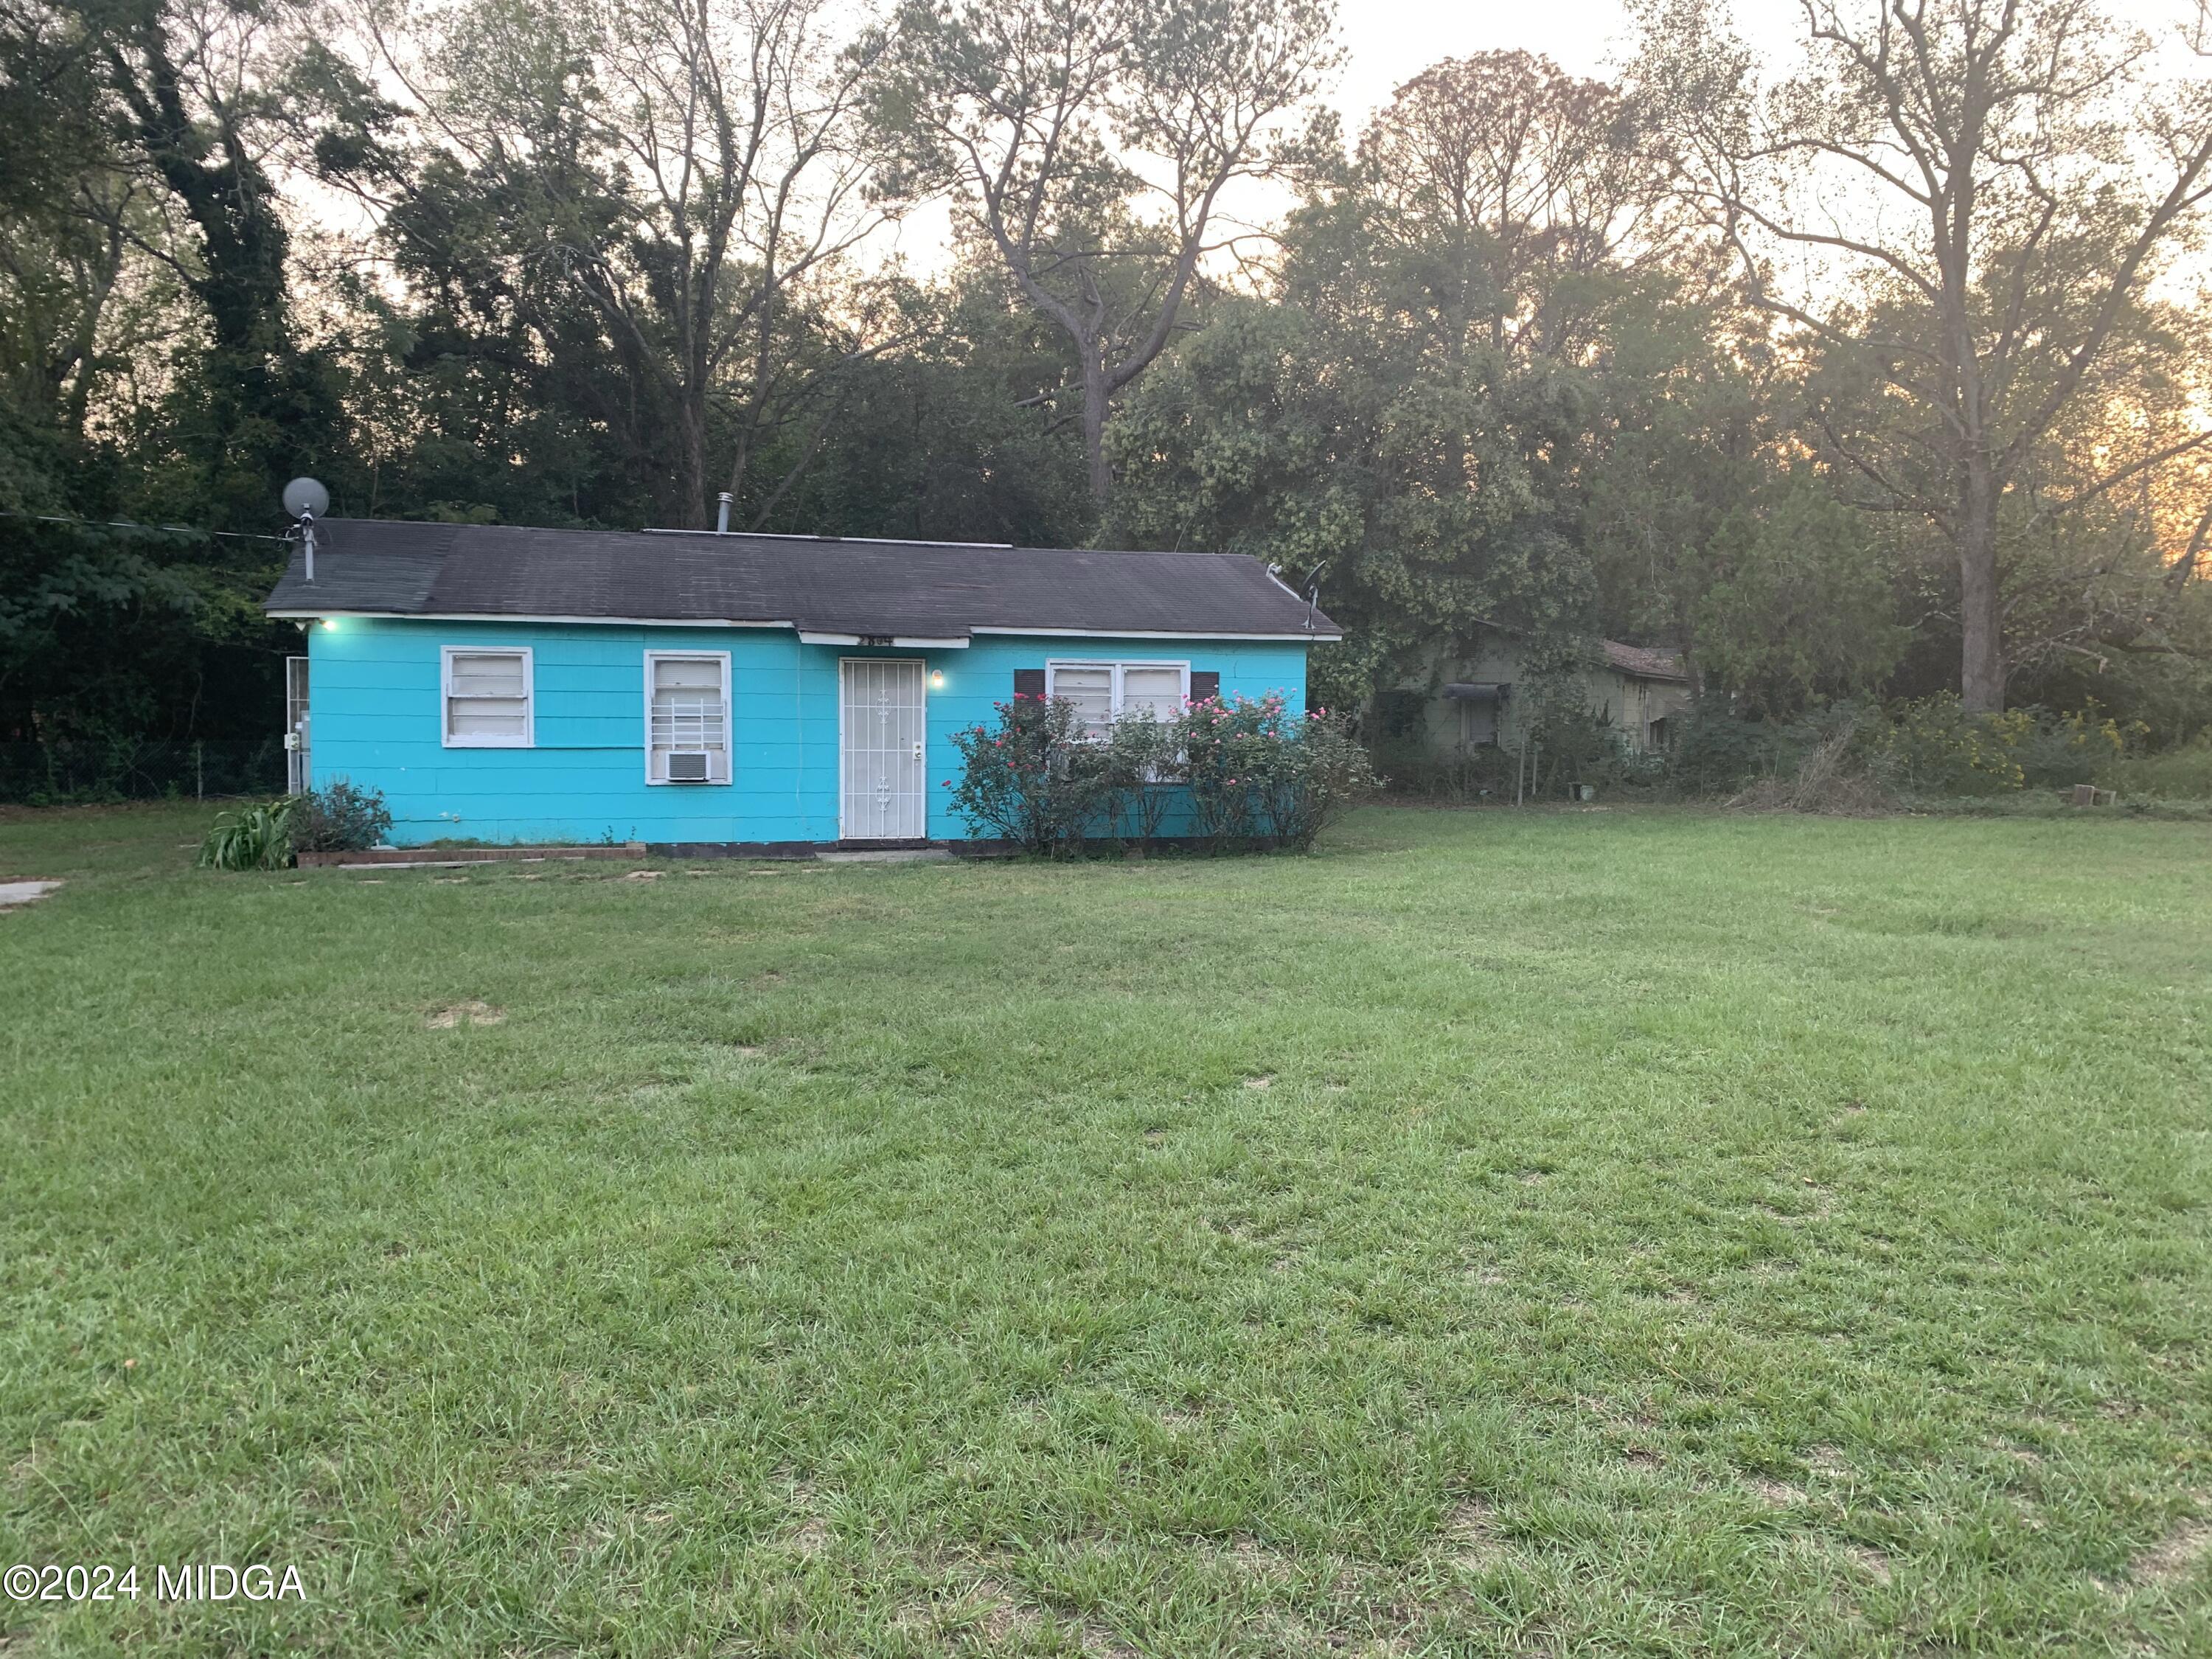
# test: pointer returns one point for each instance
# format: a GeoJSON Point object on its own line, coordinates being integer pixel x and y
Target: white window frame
{"type": "Point", "coordinates": [1053, 666]}
{"type": "Point", "coordinates": [446, 655]}
{"type": "Point", "coordinates": [729, 772]}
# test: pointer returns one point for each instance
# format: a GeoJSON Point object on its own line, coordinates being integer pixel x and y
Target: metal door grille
{"type": "Point", "coordinates": [884, 797]}
{"type": "Point", "coordinates": [299, 772]}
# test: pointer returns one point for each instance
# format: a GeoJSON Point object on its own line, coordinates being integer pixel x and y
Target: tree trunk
{"type": "Point", "coordinates": [693, 422]}
{"type": "Point", "coordinates": [1981, 624]}
{"type": "Point", "coordinates": [1094, 423]}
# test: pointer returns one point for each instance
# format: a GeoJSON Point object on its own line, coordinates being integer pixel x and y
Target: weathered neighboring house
{"type": "Point", "coordinates": [1481, 697]}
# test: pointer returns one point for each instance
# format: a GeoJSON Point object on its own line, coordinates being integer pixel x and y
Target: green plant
{"type": "Point", "coordinates": [1716, 752]}
{"type": "Point", "coordinates": [1321, 773]}
{"type": "Point", "coordinates": [1258, 775]}
{"type": "Point", "coordinates": [1142, 763]}
{"type": "Point", "coordinates": [251, 838]}
{"type": "Point", "coordinates": [339, 817]}
{"type": "Point", "coordinates": [1029, 778]}
{"type": "Point", "coordinates": [1934, 747]}
{"type": "Point", "coordinates": [1224, 745]}
{"type": "Point", "coordinates": [2184, 774]}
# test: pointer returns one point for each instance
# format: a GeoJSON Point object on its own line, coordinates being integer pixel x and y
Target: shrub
{"type": "Point", "coordinates": [1831, 774]}
{"type": "Point", "coordinates": [252, 838]}
{"type": "Point", "coordinates": [1717, 753]}
{"type": "Point", "coordinates": [1483, 772]}
{"type": "Point", "coordinates": [339, 818]}
{"type": "Point", "coordinates": [1028, 779]}
{"type": "Point", "coordinates": [1934, 747]}
{"type": "Point", "coordinates": [1320, 774]}
{"type": "Point", "coordinates": [1257, 774]}
{"type": "Point", "coordinates": [1143, 758]}
{"type": "Point", "coordinates": [2178, 774]}
{"type": "Point", "coordinates": [1251, 775]}
{"type": "Point", "coordinates": [1224, 745]}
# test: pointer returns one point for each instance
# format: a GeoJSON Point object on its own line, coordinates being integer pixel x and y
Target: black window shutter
{"type": "Point", "coordinates": [1029, 682]}
{"type": "Point", "coordinates": [1205, 682]}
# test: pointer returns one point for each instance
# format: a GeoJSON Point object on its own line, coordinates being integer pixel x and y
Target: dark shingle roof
{"type": "Point", "coordinates": [1645, 661]}
{"type": "Point", "coordinates": [917, 589]}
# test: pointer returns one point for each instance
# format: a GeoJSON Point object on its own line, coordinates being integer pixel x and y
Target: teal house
{"type": "Point", "coordinates": [722, 692]}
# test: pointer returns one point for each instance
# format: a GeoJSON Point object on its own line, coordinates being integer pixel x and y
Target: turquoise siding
{"type": "Point", "coordinates": [374, 688]}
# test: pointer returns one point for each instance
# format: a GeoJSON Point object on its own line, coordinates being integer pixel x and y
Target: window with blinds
{"type": "Point", "coordinates": [487, 699]}
{"type": "Point", "coordinates": [688, 717]}
{"type": "Point", "coordinates": [1103, 692]}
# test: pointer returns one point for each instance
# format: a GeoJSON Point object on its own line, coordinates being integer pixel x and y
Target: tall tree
{"type": "Point", "coordinates": [188, 90]}
{"type": "Point", "coordinates": [1972, 199]}
{"type": "Point", "coordinates": [1425, 408]}
{"type": "Point", "coordinates": [1091, 143]}
{"type": "Point", "coordinates": [694, 172]}
{"type": "Point", "coordinates": [1536, 180]}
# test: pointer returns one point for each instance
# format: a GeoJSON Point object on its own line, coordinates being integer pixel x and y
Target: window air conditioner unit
{"type": "Point", "coordinates": [691, 766]}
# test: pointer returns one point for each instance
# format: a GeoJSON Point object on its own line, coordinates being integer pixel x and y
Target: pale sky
{"type": "Point", "coordinates": [1386, 42]}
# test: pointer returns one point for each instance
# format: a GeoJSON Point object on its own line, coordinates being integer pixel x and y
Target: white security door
{"type": "Point", "coordinates": [299, 770]}
{"type": "Point", "coordinates": [884, 768]}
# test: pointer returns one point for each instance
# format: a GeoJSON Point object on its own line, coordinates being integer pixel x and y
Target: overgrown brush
{"type": "Point", "coordinates": [2178, 774]}
{"type": "Point", "coordinates": [339, 817]}
{"type": "Point", "coordinates": [1832, 778]}
{"type": "Point", "coordinates": [336, 819]}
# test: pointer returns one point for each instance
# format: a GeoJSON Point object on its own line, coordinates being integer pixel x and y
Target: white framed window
{"type": "Point", "coordinates": [687, 717]}
{"type": "Point", "coordinates": [1104, 692]}
{"type": "Point", "coordinates": [488, 702]}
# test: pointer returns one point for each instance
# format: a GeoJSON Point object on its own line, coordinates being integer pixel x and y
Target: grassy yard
{"type": "Point", "coordinates": [1561, 1233]}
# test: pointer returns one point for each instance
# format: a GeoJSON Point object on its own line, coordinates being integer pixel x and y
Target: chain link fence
{"type": "Point", "coordinates": [122, 768]}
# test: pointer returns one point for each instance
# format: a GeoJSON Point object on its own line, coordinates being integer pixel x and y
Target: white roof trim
{"type": "Point", "coordinates": [1315, 638]}
{"type": "Point", "coordinates": [807, 636]}
{"type": "Point", "coordinates": [505, 617]}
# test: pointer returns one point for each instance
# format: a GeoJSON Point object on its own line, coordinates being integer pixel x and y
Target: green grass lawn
{"type": "Point", "coordinates": [1575, 1232]}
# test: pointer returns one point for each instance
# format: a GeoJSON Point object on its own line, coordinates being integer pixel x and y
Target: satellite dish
{"type": "Point", "coordinates": [304, 497]}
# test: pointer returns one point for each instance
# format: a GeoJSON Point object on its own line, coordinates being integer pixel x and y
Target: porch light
{"type": "Point", "coordinates": [937, 679]}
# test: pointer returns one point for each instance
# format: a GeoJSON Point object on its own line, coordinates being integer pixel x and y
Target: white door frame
{"type": "Point", "coordinates": [299, 694]}
{"type": "Point", "coordinates": [921, 664]}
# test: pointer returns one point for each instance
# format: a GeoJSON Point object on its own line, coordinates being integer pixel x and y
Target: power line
{"type": "Point", "coordinates": [155, 529]}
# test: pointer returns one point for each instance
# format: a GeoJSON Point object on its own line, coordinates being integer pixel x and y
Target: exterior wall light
{"type": "Point", "coordinates": [937, 680]}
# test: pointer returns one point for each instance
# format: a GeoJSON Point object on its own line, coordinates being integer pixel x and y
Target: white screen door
{"type": "Point", "coordinates": [299, 772]}
{"type": "Point", "coordinates": [885, 798]}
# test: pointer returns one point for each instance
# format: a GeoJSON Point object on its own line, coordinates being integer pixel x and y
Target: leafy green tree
{"type": "Point", "coordinates": [190, 96]}
{"type": "Point", "coordinates": [1797, 602]}
{"type": "Point", "coordinates": [667, 189]}
{"type": "Point", "coordinates": [945, 439]}
{"type": "Point", "coordinates": [1972, 201]}
{"type": "Point", "coordinates": [1089, 144]}
{"type": "Point", "coordinates": [1465, 327]}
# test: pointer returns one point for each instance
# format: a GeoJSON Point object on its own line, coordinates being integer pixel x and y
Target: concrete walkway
{"type": "Point", "coordinates": [23, 892]}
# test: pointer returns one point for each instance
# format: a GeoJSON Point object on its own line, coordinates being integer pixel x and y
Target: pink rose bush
{"type": "Point", "coordinates": [1243, 774]}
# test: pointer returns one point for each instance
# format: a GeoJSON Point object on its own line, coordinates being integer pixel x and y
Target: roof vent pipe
{"type": "Point", "coordinates": [722, 513]}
